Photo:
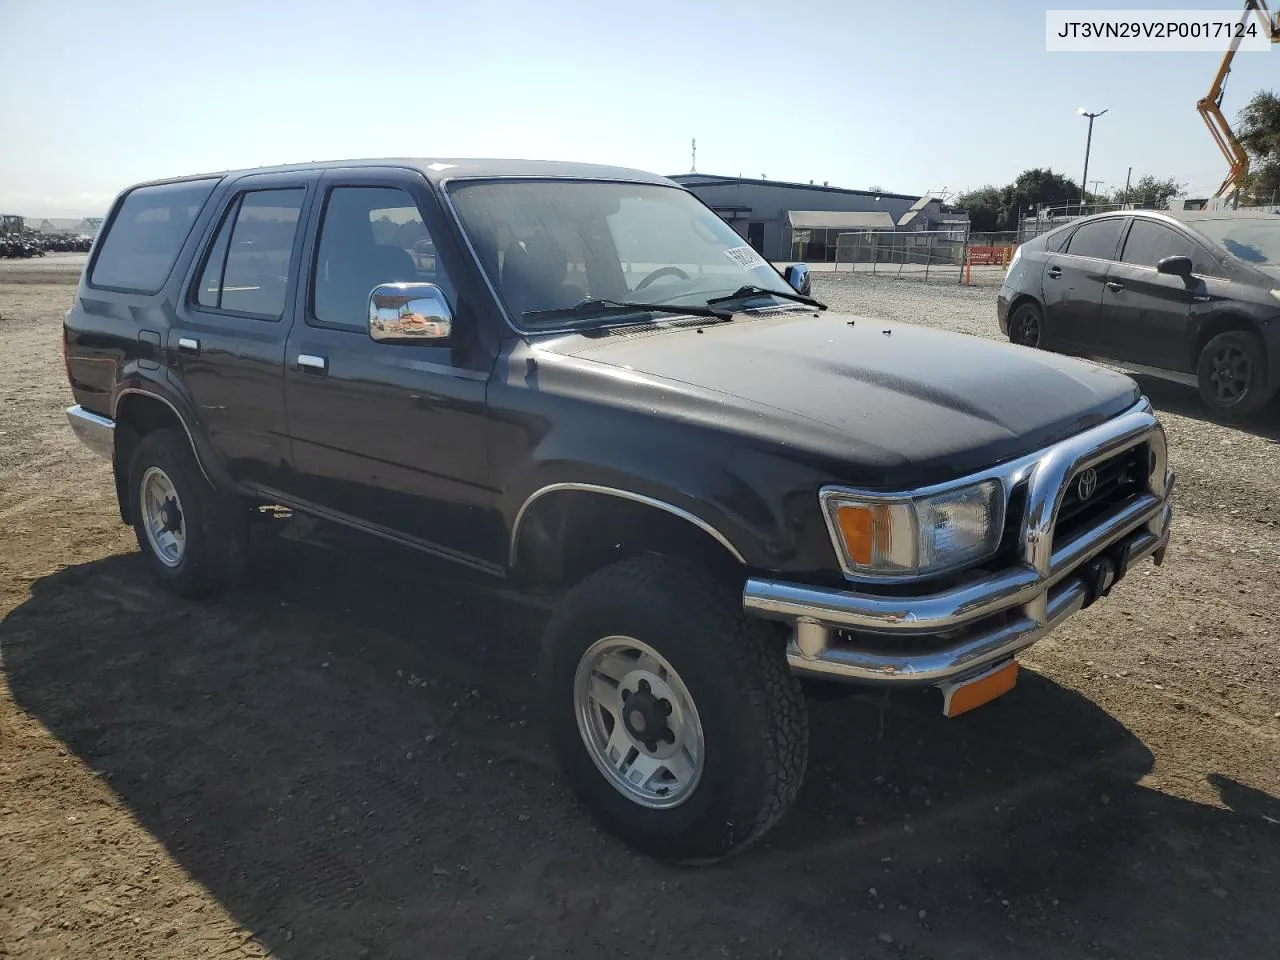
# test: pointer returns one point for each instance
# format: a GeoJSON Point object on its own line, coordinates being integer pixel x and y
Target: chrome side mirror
{"type": "Point", "coordinates": [409, 313]}
{"type": "Point", "coordinates": [798, 276]}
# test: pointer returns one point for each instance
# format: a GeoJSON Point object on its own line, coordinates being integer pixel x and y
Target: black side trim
{"type": "Point", "coordinates": [377, 530]}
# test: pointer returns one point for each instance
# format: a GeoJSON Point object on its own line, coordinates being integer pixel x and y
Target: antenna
{"type": "Point", "coordinates": [693, 159]}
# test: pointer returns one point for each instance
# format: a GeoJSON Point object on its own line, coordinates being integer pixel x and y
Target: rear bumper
{"type": "Point", "coordinates": [933, 638]}
{"type": "Point", "coordinates": [96, 432]}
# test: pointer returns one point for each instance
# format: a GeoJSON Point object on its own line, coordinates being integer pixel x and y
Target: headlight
{"type": "Point", "coordinates": [905, 537]}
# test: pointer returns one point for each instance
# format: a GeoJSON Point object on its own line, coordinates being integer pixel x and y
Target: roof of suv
{"type": "Point", "coordinates": [439, 170]}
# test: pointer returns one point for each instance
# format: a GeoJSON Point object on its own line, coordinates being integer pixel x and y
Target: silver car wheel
{"type": "Point", "coordinates": [638, 722]}
{"type": "Point", "coordinates": [162, 517]}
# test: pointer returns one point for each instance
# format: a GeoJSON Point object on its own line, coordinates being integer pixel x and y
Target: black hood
{"type": "Point", "coordinates": [892, 400]}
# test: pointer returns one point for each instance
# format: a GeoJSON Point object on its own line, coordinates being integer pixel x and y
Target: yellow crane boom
{"type": "Point", "coordinates": [1210, 106]}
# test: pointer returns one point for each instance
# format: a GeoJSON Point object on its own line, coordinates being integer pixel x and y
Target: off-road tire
{"type": "Point", "coordinates": [751, 707]}
{"type": "Point", "coordinates": [215, 523]}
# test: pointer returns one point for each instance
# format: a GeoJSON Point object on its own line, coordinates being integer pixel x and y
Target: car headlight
{"type": "Point", "coordinates": [908, 537]}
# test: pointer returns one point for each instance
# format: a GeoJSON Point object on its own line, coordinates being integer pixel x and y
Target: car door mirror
{"type": "Point", "coordinates": [409, 313]}
{"type": "Point", "coordinates": [1177, 266]}
{"type": "Point", "coordinates": [798, 276]}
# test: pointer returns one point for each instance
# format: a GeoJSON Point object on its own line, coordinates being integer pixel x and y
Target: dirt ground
{"type": "Point", "coordinates": [340, 759]}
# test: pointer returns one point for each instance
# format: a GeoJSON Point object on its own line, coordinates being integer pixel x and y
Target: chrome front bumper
{"type": "Point", "coordinates": [95, 432]}
{"type": "Point", "coordinates": [944, 636]}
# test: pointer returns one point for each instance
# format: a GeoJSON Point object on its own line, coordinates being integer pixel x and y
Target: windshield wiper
{"type": "Point", "coordinates": [595, 304]}
{"type": "Point", "coordinates": [750, 290]}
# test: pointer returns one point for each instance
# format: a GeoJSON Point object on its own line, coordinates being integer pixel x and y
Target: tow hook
{"type": "Point", "coordinates": [1103, 573]}
{"type": "Point", "coordinates": [1099, 578]}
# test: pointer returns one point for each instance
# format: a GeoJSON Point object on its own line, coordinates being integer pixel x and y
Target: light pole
{"type": "Point", "coordinates": [1084, 180]}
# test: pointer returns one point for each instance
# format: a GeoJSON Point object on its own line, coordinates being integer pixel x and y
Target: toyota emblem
{"type": "Point", "coordinates": [1087, 483]}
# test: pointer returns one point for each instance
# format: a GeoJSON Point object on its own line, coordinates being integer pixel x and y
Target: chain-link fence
{"type": "Point", "coordinates": [979, 258]}
{"type": "Point", "coordinates": [892, 252]}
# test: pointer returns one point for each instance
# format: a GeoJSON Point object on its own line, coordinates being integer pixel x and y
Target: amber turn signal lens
{"type": "Point", "coordinates": [857, 525]}
{"type": "Point", "coordinates": [963, 697]}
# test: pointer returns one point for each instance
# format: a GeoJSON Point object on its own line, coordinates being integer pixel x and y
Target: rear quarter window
{"type": "Point", "coordinates": [145, 235]}
{"type": "Point", "coordinates": [1054, 242]}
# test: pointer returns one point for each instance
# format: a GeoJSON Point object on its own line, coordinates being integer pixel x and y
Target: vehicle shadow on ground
{"type": "Point", "coordinates": [343, 753]}
{"type": "Point", "coordinates": [1183, 400]}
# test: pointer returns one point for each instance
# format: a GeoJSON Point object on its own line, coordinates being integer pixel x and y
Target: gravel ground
{"type": "Point", "coordinates": [339, 759]}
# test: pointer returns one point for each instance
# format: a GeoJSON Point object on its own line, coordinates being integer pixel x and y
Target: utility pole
{"type": "Point", "coordinates": [693, 161]}
{"type": "Point", "coordinates": [1126, 184]}
{"type": "Point", "coordinates": [1084, 180]}
{"type": "Point", "coordinates": [1095, 186]}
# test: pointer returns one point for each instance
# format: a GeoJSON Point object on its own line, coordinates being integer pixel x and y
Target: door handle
{"type": "Point", "coordinates": [1117, 287]}
{"type": "Point", "coordinates": [1054, 273]}
{"type": "Point", "coordinates": [189, 345]}
{"type": "Point", "coordinates": [310, 363]}
{"type": "Point", "coordinates": [1198, 298]}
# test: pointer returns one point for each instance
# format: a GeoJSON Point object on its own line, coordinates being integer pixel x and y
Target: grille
{"type": "Point", "coordinates": [1118, 479]}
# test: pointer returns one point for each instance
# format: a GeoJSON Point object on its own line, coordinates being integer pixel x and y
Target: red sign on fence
{"type": "Point", "coordinates": [990, 256]}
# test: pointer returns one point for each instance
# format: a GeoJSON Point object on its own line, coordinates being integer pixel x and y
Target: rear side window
{"type": "Point", "coordinates": [1096, 239]}
{"type": "Point", "coordinates": [247, 267]}
{"type": "Point", "coordinates": [1148, 243]}
{"type": "Point", "coordinates": [146, 234]}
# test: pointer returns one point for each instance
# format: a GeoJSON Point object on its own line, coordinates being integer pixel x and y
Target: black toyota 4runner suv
{"type": "Point", "coordinates": [580, 379]}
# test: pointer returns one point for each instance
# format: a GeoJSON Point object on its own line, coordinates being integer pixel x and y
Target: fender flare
{"type": "Point", "coordinates": [215, 476]}
{"type": "Point", "coordinates": [683, 514]}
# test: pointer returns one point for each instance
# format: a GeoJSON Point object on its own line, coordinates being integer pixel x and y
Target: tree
{"type": "Point", "coordinates": [1263, 183]}
{"type": "Point", "coordinates": [1149, 190]}
{"type": "Point", "coordinates": [1258, 130]}
{"type": "Point", "coordinates": [983, 207]}
{"type": "Point", "coordinates": [1259, 125]}
{"type": "Point", "coordinates": [993, 209]}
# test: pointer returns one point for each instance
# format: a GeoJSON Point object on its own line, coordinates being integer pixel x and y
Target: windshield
{"type": "Point", "coordinates": [1253, 240]}
{"type": "Point", "coordinates": [547, 245]}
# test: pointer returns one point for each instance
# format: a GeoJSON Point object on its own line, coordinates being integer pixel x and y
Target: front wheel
{"type": "Point", "coordinates": [1232, 373]}
{"type": "Point", "coordinates": [674, 716]}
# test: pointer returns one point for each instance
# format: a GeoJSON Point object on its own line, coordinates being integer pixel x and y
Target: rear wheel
{"type": "Point", "coordinates": [1232, 373]}
{"type": "Point", "coordinates": [674, 716]}
{"type": "Point", "coordinates": [192, 536]}
{"type": "Point", "coordinates": [1026, 324]}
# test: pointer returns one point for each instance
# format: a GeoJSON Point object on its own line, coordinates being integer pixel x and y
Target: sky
{"type": "Point", "coordinates": [908, 97]}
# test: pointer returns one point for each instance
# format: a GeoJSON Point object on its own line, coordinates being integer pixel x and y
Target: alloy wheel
{"type": "Point", "coordinates": [1026, 327]}
{"type": "Point", "coordinates": [639, 722]}
{"type": "Point", "coordinates": [162, 517]}
{"type": "Point", "coordinates": [1231, 374]}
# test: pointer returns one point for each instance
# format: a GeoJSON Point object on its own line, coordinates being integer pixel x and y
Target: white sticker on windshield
{"type": "Point", "coordinates": [745, 257]}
